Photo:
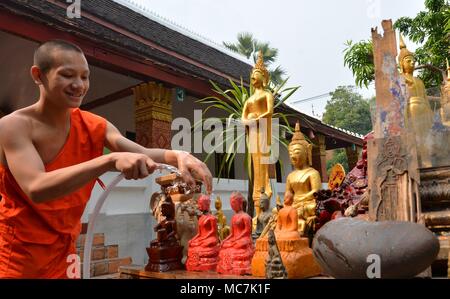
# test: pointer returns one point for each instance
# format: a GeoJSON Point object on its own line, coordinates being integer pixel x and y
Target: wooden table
{"type": "Point", "coordinates": [138, 272]}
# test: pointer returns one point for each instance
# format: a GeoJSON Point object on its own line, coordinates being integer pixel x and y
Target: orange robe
{"type": "Point", "coordinates": [37, 238]}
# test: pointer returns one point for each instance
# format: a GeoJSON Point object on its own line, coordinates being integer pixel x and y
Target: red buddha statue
{"type": "Point", "coordinates": [237, 249]}
{"type": "Point", "coordinates": [203, 250]}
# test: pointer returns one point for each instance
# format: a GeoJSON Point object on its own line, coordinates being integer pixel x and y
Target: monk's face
{"type": "Point", "coordinates": [67, 82]}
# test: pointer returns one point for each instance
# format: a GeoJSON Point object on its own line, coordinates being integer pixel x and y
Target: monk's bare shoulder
{"type": "Point", "coordinates": [18, 123]}
{"type": "Point", "coordinates": [14, 128]}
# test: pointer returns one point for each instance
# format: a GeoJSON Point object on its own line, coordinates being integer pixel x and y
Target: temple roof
{"type": "Point", "coordinates": [136, 32]}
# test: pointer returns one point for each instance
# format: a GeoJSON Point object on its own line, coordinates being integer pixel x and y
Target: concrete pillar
{"type": "Point", "coordinates": [153, 115]}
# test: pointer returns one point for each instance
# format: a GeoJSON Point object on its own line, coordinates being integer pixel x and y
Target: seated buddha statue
{"type": "Point", "coordinates": [287, 221]}
{"type": "Point", "coordinates": [295, 253]}
{"type": "Point", "coordinates": [222, 228]}
{"type": "Point", "coordinates": [237, 249]}
{"type": "Point", "coordinates": [203, 248]}
{"type": "Point", "coordinates": [165, 252]}
{"type": "Point", "coordinates": [419, 116]}
{"type": "Point", "coordinates": [303, 182]}
{"type": "Point", "coordinates": [260, 221]}
{"type": "Point", "coordinates": [166, 229]}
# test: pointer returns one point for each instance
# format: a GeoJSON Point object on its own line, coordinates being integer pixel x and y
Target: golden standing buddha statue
{"type": "Point", "coordinates": [223, 229]}
{"type": "Point", "coordinates": [445, 99]}
{"type": "Point", "coordinates": [303, 182]}
{"type": "Point", "coordinates": [419, 115]}
{"type": "Point", "coordinates": [257, 115]}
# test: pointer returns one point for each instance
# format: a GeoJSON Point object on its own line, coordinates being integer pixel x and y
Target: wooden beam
{"type": "Point", "coordinates": [108, 99]}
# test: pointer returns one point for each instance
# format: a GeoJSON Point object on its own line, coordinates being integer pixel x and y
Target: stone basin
{"type": "Point", "coordinates": [349, 248]}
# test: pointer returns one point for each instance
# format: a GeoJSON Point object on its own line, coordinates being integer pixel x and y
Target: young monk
{"type": "Point", "coordinates": [51, 154]}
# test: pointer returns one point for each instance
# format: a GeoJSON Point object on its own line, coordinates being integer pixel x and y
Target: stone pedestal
{"type": "Point", "coordinates": [296, 255]}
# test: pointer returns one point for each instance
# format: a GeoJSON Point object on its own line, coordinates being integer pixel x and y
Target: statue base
{"type": "Point", "coordinates": [162, 259]}
{"type": "Point", "coordinates": [296, 255]}
{"type": "Point", "coordinates": [202, 260]}
{"type": "Point", "coordinates": [235, 261]}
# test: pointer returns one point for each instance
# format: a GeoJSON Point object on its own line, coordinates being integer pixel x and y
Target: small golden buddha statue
{"type": "Point", "coordinates": [303, 182]}
{"type": "Point", "coordinates": [419, 116]}
{"type": "Point", "coordinates": [223, 228]}
{"type": "Point", "coordinates": [445, 99]}
{"type": "Point", "coordinates": [257, 116]}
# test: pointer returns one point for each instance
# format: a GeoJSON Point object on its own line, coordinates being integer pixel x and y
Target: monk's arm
{"type": "Point", "coordinates": [27, 167]}
{"type": "Point", "coordinates": [188, 165]}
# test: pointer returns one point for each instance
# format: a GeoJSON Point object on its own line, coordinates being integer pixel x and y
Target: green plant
{"type": "Point", "coordinates": [430, 29]}
{"type": "Point", "coordinates": [248, 46]}
{"type": "Point", "coordinates": [231, 101]}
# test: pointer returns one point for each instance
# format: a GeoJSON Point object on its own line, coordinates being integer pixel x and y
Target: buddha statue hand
{"type": "Point", "coordinates": [228, 243]}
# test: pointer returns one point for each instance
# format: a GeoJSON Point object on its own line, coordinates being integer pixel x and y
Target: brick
{"type": "Point", "coordinates": [113, 267]}
{"type": "Point", "coordinates": [99, 240]}
{"type": "Point", "coordinates": [125, 261]}
{"type": "Point", "coordinates": [112, 251]}
{"type": "Point", "coordinates": [100, 268]}
{"type": "Point", "coordinates": [98, 253]}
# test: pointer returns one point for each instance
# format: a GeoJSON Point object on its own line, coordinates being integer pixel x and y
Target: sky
{"type": "Point", "coordinates": [309, 34]}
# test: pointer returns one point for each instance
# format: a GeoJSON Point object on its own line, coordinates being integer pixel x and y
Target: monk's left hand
{"type": "Point", "coordinates": [192, 168]}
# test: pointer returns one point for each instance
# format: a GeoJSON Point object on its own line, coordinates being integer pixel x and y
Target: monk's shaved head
{"type": "Point", "coordinates": [43, 56]}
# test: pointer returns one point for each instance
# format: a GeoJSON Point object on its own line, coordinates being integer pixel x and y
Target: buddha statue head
{"type": "Point", "coordinates": [406, 59]}
{"type": "Point", "coordinates": [204, 203]}
{"type": "Point", "coordinates": [168, 209]}
{"type": "Point", "coordinates": [264, 201]}
{"type": "Point", "coordinates": [260, 75]}
{"type": "Point", "coordinates": [300, 150]}
{"type": "Point", "coordinates": [288, 200]}
{"type": "Point", "coordinates": [237, 201]}
{"type": "Point", "coordinates": [218, 203]}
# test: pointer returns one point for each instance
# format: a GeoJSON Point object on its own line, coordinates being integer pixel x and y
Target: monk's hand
{"type": "Point", "coordinates": [192, 168]}
{"type": "Point", "coordinates": [133, 166]}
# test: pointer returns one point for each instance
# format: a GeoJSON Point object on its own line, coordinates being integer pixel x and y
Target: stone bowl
{"type": "Point", "coordinates": [355, 248]}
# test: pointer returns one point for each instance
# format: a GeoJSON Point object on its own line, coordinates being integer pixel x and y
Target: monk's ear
{"type": "Point", "coordinates": [36, 73]}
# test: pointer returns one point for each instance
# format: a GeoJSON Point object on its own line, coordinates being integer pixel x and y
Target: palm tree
{"type": "Point", "coordinates": [244, 46]}
{"type": "Point", "coordinates": [248, 46]}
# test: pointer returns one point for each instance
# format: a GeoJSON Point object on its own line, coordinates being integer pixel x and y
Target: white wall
{"type": "Point", "coordinates": [125, 217]}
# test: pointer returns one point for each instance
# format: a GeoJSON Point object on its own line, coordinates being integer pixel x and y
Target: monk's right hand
{"type": "Point", "coordinates": [133, 166]}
